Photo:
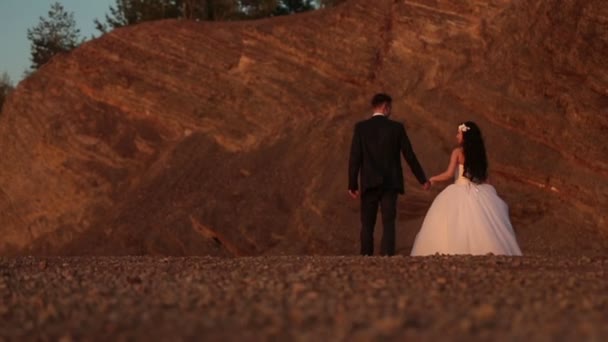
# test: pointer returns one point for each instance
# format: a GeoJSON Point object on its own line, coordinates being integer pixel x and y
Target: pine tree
{"type": "Point", "coordinates": [294, 6]}
{"type": "Point", "coordinates": [130, 12]}
{"type": "Point", "coordinates": [55, 34]}
{"type": "Point", "coordinates": [6, 86]}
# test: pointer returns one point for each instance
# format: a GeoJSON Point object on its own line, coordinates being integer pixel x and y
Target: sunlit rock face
{"type": "Point", "coordinates": [185, 138]}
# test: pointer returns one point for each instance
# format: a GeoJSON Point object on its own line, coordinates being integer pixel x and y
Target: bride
{"type": "Point", "coordinates": [467, 217]}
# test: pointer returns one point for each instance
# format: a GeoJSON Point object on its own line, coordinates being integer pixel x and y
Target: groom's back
{"type": "Point", "coordinates": [380, 136]}
{"type": "Point", "coordinates": [380, 140]}
{"type": "Point", "coordinates": [376, 150]}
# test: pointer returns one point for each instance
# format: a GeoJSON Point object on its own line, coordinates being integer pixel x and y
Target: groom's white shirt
{"type": "Point", "coordinates": [376, 114]}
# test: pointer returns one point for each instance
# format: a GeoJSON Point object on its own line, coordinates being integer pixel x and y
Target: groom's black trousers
{"type": "Point", "coordinates": [370, 200]}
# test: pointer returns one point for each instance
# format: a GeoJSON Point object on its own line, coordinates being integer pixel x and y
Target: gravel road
{"type": "Point", "coordinates": [304, 298]}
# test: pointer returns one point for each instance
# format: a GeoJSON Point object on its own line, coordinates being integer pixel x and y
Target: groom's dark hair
{"type": "Point", "coordinates": [380, 99]}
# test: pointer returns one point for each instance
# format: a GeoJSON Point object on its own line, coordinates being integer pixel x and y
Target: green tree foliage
{"type": "Point", "coordinates": [294, 6]}
{"type": "Point", "coordinates": [329, 3]}
{"type": "Point", "coordinates": [210, 9]}
{"type": "Point", "coordinates": [129, 12]}
{"type": "Point", "coordinates": [54, 34]}
{"type": "Point", "coordinates": [6, 86]}
{"type": "Point", "coordinates": [267, 8]}
{"type": "Point", "coordinates": [258, 8]}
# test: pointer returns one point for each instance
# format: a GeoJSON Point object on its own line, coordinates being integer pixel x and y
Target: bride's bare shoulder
{"type": "Point", "coordinates": [458, 153]}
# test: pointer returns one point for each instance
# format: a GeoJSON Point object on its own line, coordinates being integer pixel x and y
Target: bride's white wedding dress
{"type": "Point", "coordinates": [467, 218]}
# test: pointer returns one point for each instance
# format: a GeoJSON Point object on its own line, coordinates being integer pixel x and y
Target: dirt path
{"type": "Point", "coordinates": [304, 298]}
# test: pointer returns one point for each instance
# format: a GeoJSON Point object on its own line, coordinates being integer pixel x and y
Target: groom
{"type": "Point", "coordinates": [375, 151]}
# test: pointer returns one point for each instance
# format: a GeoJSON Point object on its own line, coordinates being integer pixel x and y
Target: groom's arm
{"type": "Point", "coordinates": [354, 163]}
{"type": "Point", "coordinates": [410, 157]}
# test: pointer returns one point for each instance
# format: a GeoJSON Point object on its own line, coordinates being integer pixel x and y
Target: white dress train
{"type": "Point", "coordinates": [467, 218]}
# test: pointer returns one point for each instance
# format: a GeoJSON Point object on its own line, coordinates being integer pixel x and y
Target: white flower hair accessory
{"type": "Point", "coordinates": [463, 128]}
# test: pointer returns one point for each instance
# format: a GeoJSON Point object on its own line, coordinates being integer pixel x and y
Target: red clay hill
{"type": "Point", "coordinates": [186, 138]}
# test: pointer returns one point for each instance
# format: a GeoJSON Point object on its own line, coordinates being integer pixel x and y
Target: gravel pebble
{"type": "Point", "coordinates": [304, 298]}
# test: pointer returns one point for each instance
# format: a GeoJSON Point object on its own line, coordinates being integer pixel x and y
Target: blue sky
{"type": "Point", "coordinates": [16, 16]}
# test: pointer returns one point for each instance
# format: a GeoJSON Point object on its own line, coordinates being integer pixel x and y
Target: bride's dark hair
{"type": "Point", "coordinates": [475, 160]}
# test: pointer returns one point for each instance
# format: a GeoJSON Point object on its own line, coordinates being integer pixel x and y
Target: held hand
{"type": "Point", "coordinates": [354, 193]}
{"type": "Point", "coordinates": [426, 186]}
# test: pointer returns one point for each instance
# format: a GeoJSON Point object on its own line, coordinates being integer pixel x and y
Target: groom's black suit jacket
{"type": "Point", "coordinates": [376, 147]}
